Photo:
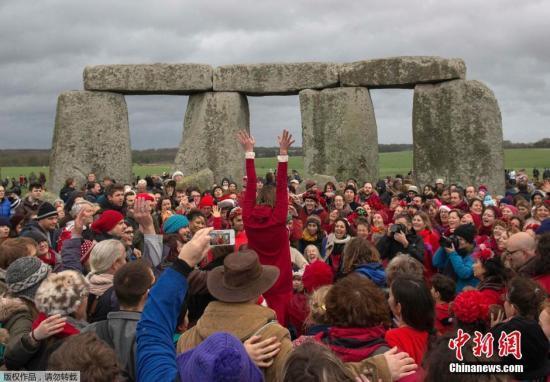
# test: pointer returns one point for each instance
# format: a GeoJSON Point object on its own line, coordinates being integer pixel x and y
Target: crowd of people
{"type": "Point", "coordinates": [343, 281]}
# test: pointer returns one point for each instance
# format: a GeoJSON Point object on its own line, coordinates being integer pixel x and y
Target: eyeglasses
{"type": "Point", "coordinates": [510, 253]}
{"type": "Point", "coordinates": [128, 232]}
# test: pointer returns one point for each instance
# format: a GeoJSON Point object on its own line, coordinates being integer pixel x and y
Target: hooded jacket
{"type": "Point", "coordinates": [373, 271]}
{"type": "Point", "coordinates": [266, 229]}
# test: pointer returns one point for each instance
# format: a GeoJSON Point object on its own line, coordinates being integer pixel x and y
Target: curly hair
{"type": "Point", "coordinates": [355, 301]}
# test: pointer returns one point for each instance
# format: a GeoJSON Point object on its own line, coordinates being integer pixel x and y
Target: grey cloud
{"type": "Point", "coordinates": [46, 45]}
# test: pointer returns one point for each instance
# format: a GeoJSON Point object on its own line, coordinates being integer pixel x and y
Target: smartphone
{"type": "Point", "coordinates": [222, 237]}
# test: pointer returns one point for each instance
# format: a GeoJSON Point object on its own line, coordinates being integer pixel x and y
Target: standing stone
{"type": "Point", "coordinates": [457, 135]}
{"type": "Point", "coordinates": [401, 72]}
{"type": "Point", "coordinates": [209, 135]}
{"type": "Point", "coordinates": [339, 133]}
{"type": "Point", "coordinates": [91, 135]}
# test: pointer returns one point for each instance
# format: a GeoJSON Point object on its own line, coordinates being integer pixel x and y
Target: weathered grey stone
{"type": "Point", "coordinates": [401, 72]}
{"type": "Point", "coordinates": [209, 135]}
{"type": "Point", "coordinates": [271, 79]}
{"type": "Point", "coordinates": [203, 179]}
{"type": "Point", "coordinates": [457, 135]}
{"type": "Point", "coordinates": [91, 135]}
{"type": "Point", "coordinates": [149, 78]}
{"type": "Point", "coordinates": [322, 179]}
{"type": "Point", "coordinates": [339, 134]}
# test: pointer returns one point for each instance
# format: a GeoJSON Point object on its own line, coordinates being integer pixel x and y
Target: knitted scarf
{"type": "Point", "coordinates": [309, 237]}
{"type": "Point", "coordinates": [68, 329]}
{"type": "Point", "coordinates": [99, 283]}
{"type": "Point", "coordinates": [353, 344]}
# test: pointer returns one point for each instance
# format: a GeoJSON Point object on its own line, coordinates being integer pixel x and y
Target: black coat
{"type": "Point", "coordinates": [389, 247]}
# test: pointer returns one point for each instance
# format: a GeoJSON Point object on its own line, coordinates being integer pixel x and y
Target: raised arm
{"type": "Point", "coordinates": [156, 354]}
{"type": "Point", "coordinates": [281, 197]}
{"type": "Point", "coordinates": [247, 142]}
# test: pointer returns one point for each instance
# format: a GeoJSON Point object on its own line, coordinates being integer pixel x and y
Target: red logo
{"type": "Point", "coordinates": [508, 344]}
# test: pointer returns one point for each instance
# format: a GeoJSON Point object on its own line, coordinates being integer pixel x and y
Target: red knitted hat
{"type": "Point", "coordinates": [107, 221]}
{"type": "Point", "coordinates": [206, 201]}
{"type": "Point", "coordinates": [316, 275]}
{"type": "Point", "coordinates": [145, 196]}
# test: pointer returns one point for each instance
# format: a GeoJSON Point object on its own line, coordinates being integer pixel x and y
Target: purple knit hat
{"type": "Point", "coordinates": [220, 358]}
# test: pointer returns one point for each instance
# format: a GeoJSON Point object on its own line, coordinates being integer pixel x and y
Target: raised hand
{"type": "Point", "coordinates": [246, 141]}
{"type": "Point", "coordinates": [142, 215]}
{"type": "Point", "coordinates": [84, 217]}
{"type": "Point", "coordinates": [216, 212]}
{"type": "Point", "coordinates": [194, 250]}
{"type": "Point", "coordinates": [285, 141]}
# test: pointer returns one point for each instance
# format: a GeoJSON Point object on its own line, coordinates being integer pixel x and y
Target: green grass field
{"type": "Point", "coordinates": [390, 163]}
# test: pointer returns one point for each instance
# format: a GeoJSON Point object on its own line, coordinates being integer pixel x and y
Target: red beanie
{"type": "Point", "coordinates": [145, 196]}
{"type": "Point", "coordinates": [206, 201]}
{"type": "Point", "coordinates": [316, 275]}
{"type": "Point", "coordinates": [107, 221]}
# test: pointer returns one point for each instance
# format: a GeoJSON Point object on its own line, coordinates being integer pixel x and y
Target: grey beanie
{"type": "Point", "coordinates": [24, 276]}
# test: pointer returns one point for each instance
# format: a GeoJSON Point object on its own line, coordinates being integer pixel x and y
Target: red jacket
{"type": "Point", "coordinates": [409, 340]}
{"type": "Point", "coordinates": [443, 322]}
{"type": "Point", "coordinates": [543, 281]}
{"type": "Point", "coordinates": [266, 227]}
{"type": "Point", "coordinates": [431, 244]}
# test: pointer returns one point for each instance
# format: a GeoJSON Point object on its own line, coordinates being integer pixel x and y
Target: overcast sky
{"type": "Point", "coordinates": [45, 46]}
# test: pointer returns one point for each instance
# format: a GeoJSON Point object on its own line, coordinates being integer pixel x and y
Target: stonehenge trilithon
{"type": "Point", "coordinates": [209, 135]}
{"type": "Point", "coordinates": [457, 134]}
{"type": "Point", "coordinates": [457, 128]}
{"type": "Point", "coordinates": [91, 135]}
{"type": "Point", "coordinates": [339, 133]}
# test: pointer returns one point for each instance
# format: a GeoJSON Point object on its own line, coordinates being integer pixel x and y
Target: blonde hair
{"type": "Point", "coordinates": [317, 309]}
{"type": "Point", "coordinates": [104, 254]}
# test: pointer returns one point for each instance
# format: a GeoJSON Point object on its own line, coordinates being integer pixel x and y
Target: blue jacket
{"type": "Point", "coordinates": [462, 266]}
{"type": "Point", "coordinates": [5, 208]}
{"type": "Point", "coordinates": [374, 272]}
{"type": "Point", "coordinates": [156, 352]}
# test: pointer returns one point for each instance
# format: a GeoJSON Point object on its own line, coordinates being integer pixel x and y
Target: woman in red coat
{"type": "Point", "coordinates": [265, 219]}
{"type": "Point", "coordinates": [422, 226]}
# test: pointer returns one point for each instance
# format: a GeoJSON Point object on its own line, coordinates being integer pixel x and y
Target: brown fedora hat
{"type": "Point", "coordinates": [241, 278]}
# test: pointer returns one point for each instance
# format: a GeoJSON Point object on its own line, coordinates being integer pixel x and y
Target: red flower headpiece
{"type": "Point", "coordinates": [470, 306]}
{"type": "Point", "coordinates": [484, 255]}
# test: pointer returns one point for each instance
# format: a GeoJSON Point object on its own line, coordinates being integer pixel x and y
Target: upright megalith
{"type": "Point", "coordinates": [209, 135]}
{"type": "Point", "coordinates": [401, 72]}
{"type": "Point", "coordinates": [91, 134]}
{"type": "Point", "coordinates": [339, 134]}
{"type": "Point", "coordinates": [457, 134]}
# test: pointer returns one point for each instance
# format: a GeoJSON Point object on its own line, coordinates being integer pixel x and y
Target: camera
{"type": "Point", "coordinates": [395, 228]}
{"type": "Point", "coordinates": [448, 241]}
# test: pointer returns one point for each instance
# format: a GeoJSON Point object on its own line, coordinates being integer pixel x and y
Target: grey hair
{"type": "Point", "coordinates": [77, 207]}
{"type": "Point", "coordinates": [104, 254]}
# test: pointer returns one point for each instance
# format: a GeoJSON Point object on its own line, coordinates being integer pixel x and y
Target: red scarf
{"type": "Point", "coordinates": [353, 344]}
{"type": "Point", "coordinates": [68, 329]}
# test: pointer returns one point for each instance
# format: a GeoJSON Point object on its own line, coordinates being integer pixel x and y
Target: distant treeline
{"type": "Point", "coordinates": [35, 157]}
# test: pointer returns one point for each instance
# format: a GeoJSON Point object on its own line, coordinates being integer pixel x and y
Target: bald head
{"type": "Point", "coordinates": [520, 248]}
